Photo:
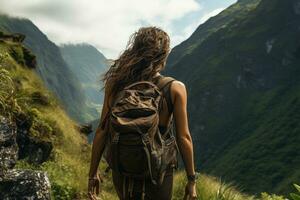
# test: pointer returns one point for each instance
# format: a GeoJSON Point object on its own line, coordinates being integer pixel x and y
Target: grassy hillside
{"type": "Point", "coordinates": [24, 94]}
{"type": "Point", "coordinates": [52, 68]}
{"type": "Point", "coordinates": [243, 87]}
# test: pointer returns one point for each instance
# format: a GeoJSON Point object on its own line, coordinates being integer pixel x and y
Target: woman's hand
{"type": "Point", "coordinates": [94, 187]}
{"type": "Point", "coordinates": [190, 191]}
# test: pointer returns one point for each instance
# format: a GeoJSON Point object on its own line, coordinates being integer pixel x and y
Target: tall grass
{"type": "Point", "coordinates": [208, 188]}
{"type": "Point", "coordinates": [6, 92]}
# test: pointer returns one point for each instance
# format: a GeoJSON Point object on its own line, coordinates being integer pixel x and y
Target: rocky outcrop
{"type": "Point", "coordinates": [86, 129]}
{"type": "Point", "coordinates": [24, 184]}
{"type": "Point", "coordinates": [36, 150]}
{"type": "Point", "coordinates": [18, 184]}
{"type": "Point", "coordinates": [26, 58]}
{"type": "Point", "coordinates": [8, 145]}
{"type": "Point", "coordinates": [16, 37]}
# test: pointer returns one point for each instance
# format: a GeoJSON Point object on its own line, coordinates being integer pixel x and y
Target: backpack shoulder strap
{"type": "Point", "coordinates": [164, 83]}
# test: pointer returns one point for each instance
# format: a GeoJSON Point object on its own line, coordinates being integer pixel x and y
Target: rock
{"type": "Point", "coordinates": [16, 37]}
{"type": "Point", "coordinates": [18, 184]}
{"type": "Point", "coordinates": [37, 151]}
{"type": "Point", "coordinates": [86, 129]}
{"type": "Point", "coordinates": [24, 184]}
{"type": "Point", "coordinates": [8, 157]}
{"type": "Point", "coordinates": [8, 146]}
{"type": "Point", "coordinates": [7, 131]}
{"type": "Point", "coordinates": [24, 122]}
{"type": "Point", "coordinates": [30, 58]}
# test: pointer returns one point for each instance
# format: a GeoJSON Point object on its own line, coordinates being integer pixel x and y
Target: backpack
{"type": "Point", "coordinates": [135, 146]}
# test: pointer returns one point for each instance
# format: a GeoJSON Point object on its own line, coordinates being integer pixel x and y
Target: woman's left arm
{"type": "Point", "coordinates": [97, 149]}
{"type": "Point", "coordinates": [99, 139]}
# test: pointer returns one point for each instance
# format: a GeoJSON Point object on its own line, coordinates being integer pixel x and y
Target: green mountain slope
{"type": "Point", "coordinates": [88, 64]}
{"type": "Point", "coordinates": [243, 87]}
{"type": "Point", "coordinates": [238, 10]}
{"type": "Point", "coordinates": [51, 67]}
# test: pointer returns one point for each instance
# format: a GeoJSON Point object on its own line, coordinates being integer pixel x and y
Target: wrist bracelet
{"type": "Point", "coordinates": [193, 178]}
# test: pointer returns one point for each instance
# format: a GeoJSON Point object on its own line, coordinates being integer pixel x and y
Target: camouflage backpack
{"type": "Point", "coordinates": [136, 148]}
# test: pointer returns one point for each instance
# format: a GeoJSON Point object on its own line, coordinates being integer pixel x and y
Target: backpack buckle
{"type": "Point", "coordinates": [116, 138]}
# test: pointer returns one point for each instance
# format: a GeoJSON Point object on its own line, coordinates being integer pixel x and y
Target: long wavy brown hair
{"type": "Point", "coordinates": [145, 55]}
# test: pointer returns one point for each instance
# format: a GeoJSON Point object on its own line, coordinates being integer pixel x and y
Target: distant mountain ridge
{"type": "Point", "coordinates": [88, 64]}
{"type": "Point", "coordinates": [51, 66]}
{"type": "Point", "coordinates": [241, 70]}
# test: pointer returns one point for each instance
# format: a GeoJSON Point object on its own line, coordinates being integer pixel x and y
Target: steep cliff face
{"type": "Point", "coordinates": [50, 65]}
{"type": "Point", "coordinates": [88, 64]}
{"type": "Point", "coordinates": [18, 184]}
{"type": "Point", "coordinates": [243, 89]}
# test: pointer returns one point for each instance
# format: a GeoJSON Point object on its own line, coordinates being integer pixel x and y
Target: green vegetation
{"type": "Point", "coordinates": [67, 165]}
{"type": "Point", "coordinates": [214, 24]}
{"type": "Point", "coordinates": [244, 104]}
{"type": "Point", "coordinates": [243, 87]}
{"type": "Point", "coordinates": [6, 100]}
{"type": "Point", "coordinates": [208, 188]}
{"type": "Point", "coordinates": [22, 92]}
{"type": "Point", "coordinates": [52, 68]}
{"type": "Point", "coordinates": [296, 196]}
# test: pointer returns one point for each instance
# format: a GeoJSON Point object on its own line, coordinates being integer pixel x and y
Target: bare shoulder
{"type": "Point", "coordinates": [178, 86]}
{"type": "Point", "coordinates": [178, 89]}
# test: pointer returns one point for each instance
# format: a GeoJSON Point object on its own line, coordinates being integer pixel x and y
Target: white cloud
{"type": "Point", "coordinates": [105, 24]}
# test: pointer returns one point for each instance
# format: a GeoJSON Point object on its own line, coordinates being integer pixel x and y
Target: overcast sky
{"type": "Point", "coordinates": [107, 24]}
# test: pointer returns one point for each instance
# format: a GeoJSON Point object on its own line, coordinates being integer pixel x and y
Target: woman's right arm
{"type": "Point", "coordinates": [184, 139]}
{"type": "Point", "coordinates": [183, 136]}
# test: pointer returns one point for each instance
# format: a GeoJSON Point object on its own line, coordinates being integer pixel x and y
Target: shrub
{"type": "Point", "coordinates": [296, 196]}
{"type": "Point", "coordinates": [7, 102]}
{"type": "Point", "coordinates": [266, 196]}
{"type": "Point", "coordinates": [62, 191]}
{"type": "Point", "coordinates": [40, 98]}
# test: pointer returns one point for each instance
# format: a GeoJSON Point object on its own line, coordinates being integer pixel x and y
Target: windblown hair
{"type": "Point", "coordinates": [145, 55]}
